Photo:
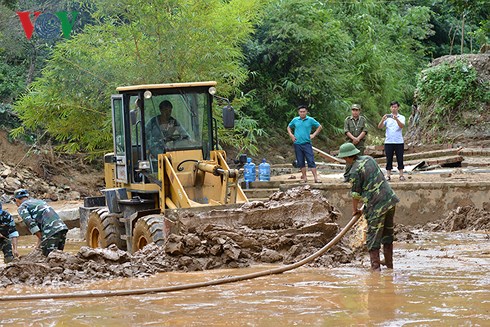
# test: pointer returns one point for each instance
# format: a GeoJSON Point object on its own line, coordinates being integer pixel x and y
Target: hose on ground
{"type": "Point", "coordinates": [279, 270]}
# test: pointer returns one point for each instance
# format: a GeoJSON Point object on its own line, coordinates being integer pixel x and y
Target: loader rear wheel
{"type": "Point", "coordinates": [104, 229]}
{"type": "Point", "coordinates": [148, 230]}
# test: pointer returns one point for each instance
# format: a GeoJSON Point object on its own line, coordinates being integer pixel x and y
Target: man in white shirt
{"type": "Point", "coordinates": [394, 144]}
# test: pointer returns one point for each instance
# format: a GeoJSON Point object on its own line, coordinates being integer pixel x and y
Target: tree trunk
{"type": "Point", "coordinates": [32, 67]}
{"type": "Point", "coordinates": [462, 34]}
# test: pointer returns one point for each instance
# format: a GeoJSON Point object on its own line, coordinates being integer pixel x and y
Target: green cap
{"type": "Point", "coordinates": [347, 150]}
{"type": "Point", "coordinates": [21, 193]}
{"type": "Point", "coordinates": [356, 106]}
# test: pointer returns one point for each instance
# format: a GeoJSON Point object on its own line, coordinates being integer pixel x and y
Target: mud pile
{"type": "Point", "coordinates": [404, 234]}
{"type": "Point", "coordinates": [462, 218]}
{"type": "Point", "coordinates": [286, 229]}
{"type": "Point", "coordinates": [12, 178]}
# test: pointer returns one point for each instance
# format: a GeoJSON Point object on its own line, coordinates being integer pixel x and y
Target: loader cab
{"type": "Point", "coordinates": [149, 120]}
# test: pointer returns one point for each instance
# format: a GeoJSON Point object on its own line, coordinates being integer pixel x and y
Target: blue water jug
{"type": "Point", "coordinates": [264, 171]}
{"type": "Point", "coordinates": [249, 171]}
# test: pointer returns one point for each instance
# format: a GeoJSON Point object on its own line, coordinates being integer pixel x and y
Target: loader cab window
{"type": "Point", "coordinates": [135, 115]}
{"type": "Point", "coordinates": [118, 128]}
{"type": "Point", "coordinates": [174, 122]}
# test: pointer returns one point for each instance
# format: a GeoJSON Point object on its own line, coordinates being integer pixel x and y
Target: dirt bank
{"type": "Point", "coordinates": [44, 173]}
{"type": "Point", "coordinates": [462, 218]}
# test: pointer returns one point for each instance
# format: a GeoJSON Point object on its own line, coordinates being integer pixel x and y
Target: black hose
{"type": "Point", "coordinates": [279, 270]}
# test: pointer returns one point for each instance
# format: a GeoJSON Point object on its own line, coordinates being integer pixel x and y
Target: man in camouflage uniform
{"type": "Point", "coordinates": [8, 236]}
{"type": "Point", "coordinates": [42, 221]}
{"type": "Point", "coordinates": [370, 187]}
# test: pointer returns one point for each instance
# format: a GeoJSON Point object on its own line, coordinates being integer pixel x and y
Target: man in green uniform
{"type": "Point", "coordinates": [370, 187]}
{"type": "Point", "coordinates": [355, 129]}
{"type": "Point", "coordinates": [8, 236]}
{"type": "Point", "coordinates": [42, 221]}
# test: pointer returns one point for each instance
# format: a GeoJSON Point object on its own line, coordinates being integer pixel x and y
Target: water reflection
{"type": "Point", "coordinates": [442, 280]}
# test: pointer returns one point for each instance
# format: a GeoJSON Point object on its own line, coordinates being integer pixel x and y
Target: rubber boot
{"type": "Point", "coordinates": [388, 253]}
{"type": "Point", "coordinates": [374, 256]}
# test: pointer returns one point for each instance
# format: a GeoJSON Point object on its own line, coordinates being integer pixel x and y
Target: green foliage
{"type": "Point", "coordinates": [296, 57]}
{"type": "Point", "coordinates": [455, 21]}
{"type": "Point", "coordinates": [450, 89]}
{"type": "Point", "coordinates": [137, 42]}
{"type": "Point", "coordinates": [267, 55]}
{"type": "Point", "coordinates": [12, 80]}
{"type": "Point", "coordinates": [332, 54]}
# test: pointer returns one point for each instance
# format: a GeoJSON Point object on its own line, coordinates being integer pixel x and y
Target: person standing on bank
{"type": "Point", "coordinates": [394, 144]}
{"type": "Point", "coordinates": [302, 126]}
{"type": "Point", "coordinates": [355, 129]}
{"type": "Point", "coordinates": [8, 236]}
{"type": "Point", "coordinates": [42, 221]}
{"type": "Point", "coordinates": [370, 186]}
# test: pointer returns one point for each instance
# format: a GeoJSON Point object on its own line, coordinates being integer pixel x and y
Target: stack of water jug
{"type": "Point", "coordinates": [250, 172]}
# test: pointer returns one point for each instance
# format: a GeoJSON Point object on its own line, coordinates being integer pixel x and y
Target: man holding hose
{"type": "Point", "coordinates": [370, 187]}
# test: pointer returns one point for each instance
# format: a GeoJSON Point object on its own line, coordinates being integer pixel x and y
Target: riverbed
{"type": "Point", "coordinates": [439, 279]}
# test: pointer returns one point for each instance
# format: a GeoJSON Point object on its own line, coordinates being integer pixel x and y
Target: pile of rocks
{"type": "Point", "coordinates": [12, 178]}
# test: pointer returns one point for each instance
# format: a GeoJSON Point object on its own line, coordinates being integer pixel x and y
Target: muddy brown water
{"type": "Point", "coordinates": [440, 279]}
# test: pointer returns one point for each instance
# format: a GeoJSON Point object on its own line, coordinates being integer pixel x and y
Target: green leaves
{"type": "Point", "coordinates": [451, 88]}
{"type": "Point", "coordinates": [331, 54]}
{"type": "Point", "coordinates": [136, 42]}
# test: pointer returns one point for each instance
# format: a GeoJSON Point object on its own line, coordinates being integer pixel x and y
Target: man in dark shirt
{"type": "Point", "coordinates": [164, 128]}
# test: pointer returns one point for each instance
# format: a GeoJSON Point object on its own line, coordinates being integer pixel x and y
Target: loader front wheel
{"type": "Point", "coordinates": [148, 230]}
{"type": "Point", "coordinates": [104, 229]}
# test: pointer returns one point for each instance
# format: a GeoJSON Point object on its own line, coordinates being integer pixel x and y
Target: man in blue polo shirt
{"type": "Point", "coordinates": [302, 136]}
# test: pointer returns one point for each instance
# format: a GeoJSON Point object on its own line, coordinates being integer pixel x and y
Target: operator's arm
{"type": "Point", "coordinates": [182, 132]}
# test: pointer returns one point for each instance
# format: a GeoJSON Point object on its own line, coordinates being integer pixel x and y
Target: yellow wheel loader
{"type": "Point", "coordinates": [166, 157]}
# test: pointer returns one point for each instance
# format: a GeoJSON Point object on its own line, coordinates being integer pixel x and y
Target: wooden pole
{"type": "Point", "coordinates": [328, 157]}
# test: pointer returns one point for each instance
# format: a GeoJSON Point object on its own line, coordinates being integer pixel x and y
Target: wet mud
{"type": "Point", "coordinates": [291, 226]}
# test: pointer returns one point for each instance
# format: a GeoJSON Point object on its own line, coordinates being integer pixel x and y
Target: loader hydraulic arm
{"type": "Point", "coordinates": [216, 170]}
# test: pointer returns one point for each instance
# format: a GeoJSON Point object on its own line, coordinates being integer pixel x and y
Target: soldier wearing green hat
{"type": "Point", "coordinates": [42, 221]}
{"type": "Point", "coordinates": [370, 187]}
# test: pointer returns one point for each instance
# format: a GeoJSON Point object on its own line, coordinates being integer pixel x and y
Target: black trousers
{"type": "Point", "coordinates": [394, 148]}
